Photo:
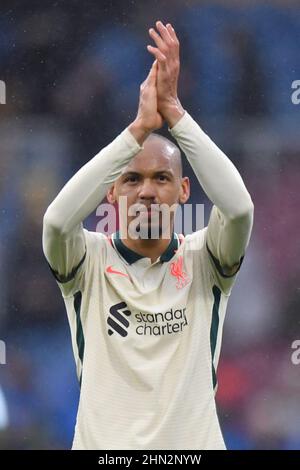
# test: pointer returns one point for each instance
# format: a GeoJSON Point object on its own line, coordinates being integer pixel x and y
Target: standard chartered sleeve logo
{"type": "Point", "coordinates": [2, 92]}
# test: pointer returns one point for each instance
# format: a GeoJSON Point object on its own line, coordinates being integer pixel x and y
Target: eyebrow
{"type": "Point", "coordinates": [136, 173]}
{"type": "Point", "coordinates": [130, 173]}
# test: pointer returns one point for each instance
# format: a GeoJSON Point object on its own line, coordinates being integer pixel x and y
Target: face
{"type": "Point", "coordinates": [149, 190]}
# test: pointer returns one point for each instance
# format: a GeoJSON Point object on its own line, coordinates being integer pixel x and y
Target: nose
{"type": "Point", "coordinates": [147, 191]}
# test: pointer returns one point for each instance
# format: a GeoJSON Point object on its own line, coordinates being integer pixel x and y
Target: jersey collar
{"type": "Point", "coordinates": [131, 256]}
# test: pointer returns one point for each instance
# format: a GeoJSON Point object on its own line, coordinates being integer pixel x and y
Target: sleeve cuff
{"type": "Point", "coordinates": [131, 142]}
{"type": "Point", "coordinates": [182, 124]}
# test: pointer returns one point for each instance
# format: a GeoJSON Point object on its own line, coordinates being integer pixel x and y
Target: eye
{"type": "Point", "coordinates": [131, 179]}
{"type": "Point", "coordinates": [162, 178]}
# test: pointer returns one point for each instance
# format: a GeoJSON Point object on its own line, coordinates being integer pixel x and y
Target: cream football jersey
{"type": "Point", "coordinates": [146, 339]}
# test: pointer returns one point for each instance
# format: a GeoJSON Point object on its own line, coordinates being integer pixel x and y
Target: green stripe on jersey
{"type": "Point", "coordinates": [214, 329]}
{"type": "Point", "coordinates": [79, 330]}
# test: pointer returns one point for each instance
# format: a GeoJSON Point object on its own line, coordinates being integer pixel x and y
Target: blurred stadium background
{"type": "Point", "coordinates": [72, 72]}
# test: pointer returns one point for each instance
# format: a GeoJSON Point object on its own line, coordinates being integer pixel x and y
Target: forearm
{"type": "Point", "coordinates": [63, 236]}
{"type": "Point", "coordinates": [64, 239]}
{"type": "Point", "coordinates": [217, 175]}
{"type": "Point", "coordinates": [231, 218]}
{"type": "Point", "coordinates": [87, 188]}
{"type": "Point", "coordinates": [172, 111]}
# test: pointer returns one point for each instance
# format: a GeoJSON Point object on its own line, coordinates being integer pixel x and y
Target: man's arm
{"type": "Point", "coordinates": [231, 218]}
{"type": "Point", "coordinates": [63, 234]}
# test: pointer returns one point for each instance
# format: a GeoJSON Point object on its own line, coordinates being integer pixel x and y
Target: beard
{"type": "Point", "coordinates": [149, 231]}
{"type": "Point", "coordinates": [152, 225]}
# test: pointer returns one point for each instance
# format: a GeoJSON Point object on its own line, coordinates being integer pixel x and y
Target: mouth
{"type": "Point", "coordinates": [149, 213]}
{"type": "Point", "coordinates": [152, 208]}
{"type": "Point", "coordinates": [145, 212]}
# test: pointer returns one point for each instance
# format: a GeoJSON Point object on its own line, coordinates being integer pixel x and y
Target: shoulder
{"type": "Point", "coordinates": [97, 247]}
{"type": "Point", "coordinates": [195, 241]}
{"type": "Point", "coordinates": [95, 239]}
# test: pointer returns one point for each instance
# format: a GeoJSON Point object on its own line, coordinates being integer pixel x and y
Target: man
{"type": "Point", "coordinates": [146, 314]}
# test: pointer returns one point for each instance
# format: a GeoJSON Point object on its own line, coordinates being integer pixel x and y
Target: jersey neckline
{"type": "Point", "coordinates": [132, 256]}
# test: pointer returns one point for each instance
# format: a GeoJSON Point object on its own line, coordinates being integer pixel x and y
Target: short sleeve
{"type": "Point", "coordinates": [74, 281]}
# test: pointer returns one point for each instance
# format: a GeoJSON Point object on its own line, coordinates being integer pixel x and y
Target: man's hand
{"type": "Point", "coordinates": [167, 56]}
{"type": "Point", "coordinates": [148, 118]}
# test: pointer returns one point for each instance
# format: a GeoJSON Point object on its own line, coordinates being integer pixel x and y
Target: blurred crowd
{"type": "Point", "coordinates": [72, 72]}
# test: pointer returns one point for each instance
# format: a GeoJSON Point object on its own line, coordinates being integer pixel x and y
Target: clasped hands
{"type": "Point", "coordinates": [158, 101]}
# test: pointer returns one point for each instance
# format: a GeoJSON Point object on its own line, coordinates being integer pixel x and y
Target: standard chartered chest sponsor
{"type": "Point", "coordinates": [171, 321]}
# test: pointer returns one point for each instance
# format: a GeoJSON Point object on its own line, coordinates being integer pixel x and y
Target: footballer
{"type": "Point", "coordinates": [146, 313]}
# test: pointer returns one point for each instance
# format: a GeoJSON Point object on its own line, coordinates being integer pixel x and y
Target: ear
{"type": "Point", "coordinates": [184, 190]}
{"type": "Point", "coordinates": [111, 195]}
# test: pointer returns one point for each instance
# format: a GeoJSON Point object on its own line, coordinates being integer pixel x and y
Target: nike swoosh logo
{"type": "Point", "coordinates": [110, 270]}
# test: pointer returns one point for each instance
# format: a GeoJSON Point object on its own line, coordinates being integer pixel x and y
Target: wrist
{"type": "Point", "coordinates": [139, 131]}
{"type": "Point", "coordinates": [172, 111]}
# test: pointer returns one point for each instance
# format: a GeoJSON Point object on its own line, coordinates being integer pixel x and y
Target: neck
{"type": "Point", "coordinates": [150, 248]}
